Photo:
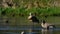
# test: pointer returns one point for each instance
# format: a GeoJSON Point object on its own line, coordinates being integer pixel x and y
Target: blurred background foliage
{"type": "Point", "coordinates": [24, 7]}
{"type": "Point", "coordinates": [15, 12]}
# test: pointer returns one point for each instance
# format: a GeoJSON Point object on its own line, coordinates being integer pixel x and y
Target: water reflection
{"type": "Point", "coordinates": [27, 30]}
{"type": "Point", "coordinates": [45, 31]}
{"type": "Point", "coordinates": [32, 31]}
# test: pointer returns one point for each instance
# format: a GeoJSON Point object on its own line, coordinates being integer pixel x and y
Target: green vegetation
{"type": "Point", "coordinates": [52, 11]}
{"type": "Point", "coordinates": [22, 8]}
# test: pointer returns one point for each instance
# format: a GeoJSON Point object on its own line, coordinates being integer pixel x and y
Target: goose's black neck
{"type": "Point", "coordinates": [43, 22]}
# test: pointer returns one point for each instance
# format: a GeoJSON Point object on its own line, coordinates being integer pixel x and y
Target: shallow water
{"type": "Point", "coordinates": [28, 30]}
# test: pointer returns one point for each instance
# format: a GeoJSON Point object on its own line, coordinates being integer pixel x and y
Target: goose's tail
{"type": "Point", "coordinates": [52, 26]}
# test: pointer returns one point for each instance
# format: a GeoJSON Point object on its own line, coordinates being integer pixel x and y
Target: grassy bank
{"type": "Point", "coordinates": [52, 11]}
{"type": "Point", "coordinates": [19, 16]}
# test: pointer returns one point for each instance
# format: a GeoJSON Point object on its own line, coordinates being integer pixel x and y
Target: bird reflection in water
{"type": "Point", "coordinates": [45, 31]}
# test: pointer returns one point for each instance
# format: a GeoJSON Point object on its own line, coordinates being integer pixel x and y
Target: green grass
{"type": "Point", "coordinates": [22, 10]}
{"type": "Point", "coordinates": [52, 11]}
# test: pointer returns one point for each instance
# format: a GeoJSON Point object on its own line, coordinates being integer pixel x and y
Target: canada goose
{"type": "Point", "coordinates": [47, 25]}
{"type": "Point", "coordinates": [33, 18]}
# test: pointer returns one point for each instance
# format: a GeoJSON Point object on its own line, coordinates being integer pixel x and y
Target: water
{"type": "Point", "coordinates": [27, 30]}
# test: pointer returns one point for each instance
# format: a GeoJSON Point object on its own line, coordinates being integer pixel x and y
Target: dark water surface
{"type": "Point", "coordinates": [27, 30]}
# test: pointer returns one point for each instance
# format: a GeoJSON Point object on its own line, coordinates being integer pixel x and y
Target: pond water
{"type": "Point", "coordinates": [27, 30]}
